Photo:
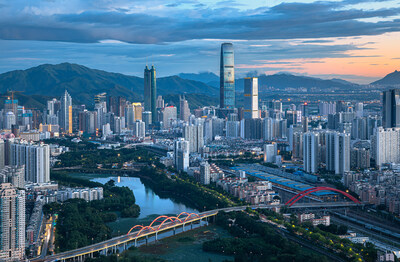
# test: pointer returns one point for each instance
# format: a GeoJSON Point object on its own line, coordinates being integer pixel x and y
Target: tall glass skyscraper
{"type": "Point", "coordinates": [150, 92]}
{"type": "Point", "coordinates": [66, 113]}
{"type": "Point", "coordinates": [227, 77]}
{"type": "Point", "coordinates": [391, 108]}
{"type": "Point", "coordinates": [251, 97]}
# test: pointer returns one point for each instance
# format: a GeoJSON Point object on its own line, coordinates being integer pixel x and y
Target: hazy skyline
{"type": "Point", "coordinates": [356, 40]}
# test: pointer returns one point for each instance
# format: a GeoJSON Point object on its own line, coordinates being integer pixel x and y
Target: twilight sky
{"type": "Point", "coordinates": [357, 40]}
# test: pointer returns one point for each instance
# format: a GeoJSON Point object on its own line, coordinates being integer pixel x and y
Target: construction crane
{"type": "Point", "coordinates": [12, 94]}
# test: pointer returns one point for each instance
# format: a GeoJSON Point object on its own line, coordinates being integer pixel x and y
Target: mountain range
{"type": "Point", "coordinates": [83, 83]}
{"type": "Point", "coordinates": [392, 79]}
{"type": "Point", "coordinates": [46, 81]}
{"type": "Point", "coordinates": [278, 81]}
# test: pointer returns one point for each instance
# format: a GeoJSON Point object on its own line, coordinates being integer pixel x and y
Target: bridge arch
{"type": "Point", "coordinates": [140, 226]}
{"type": "Point", "coordinates": [165, 218]}
{"type": "Point", "coordinates": [316, 189]}
{"type": "Point", "coordinates": [190, 215]}
{"type": "Point", "coordinates": [144, 228]}
{"type": "Point", "coordinates": [172, 219]}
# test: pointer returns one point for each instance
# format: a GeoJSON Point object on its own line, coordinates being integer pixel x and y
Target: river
{"type": "Point", "coordinates": [151, 205]}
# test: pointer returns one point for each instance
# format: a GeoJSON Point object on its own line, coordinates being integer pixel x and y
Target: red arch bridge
{"type": "Point", "coordinates": [180, 223]}
{"type": "Point", "coordinates": [306, 192]}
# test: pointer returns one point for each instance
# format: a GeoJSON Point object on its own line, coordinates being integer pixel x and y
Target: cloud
{"type": "Point", "coordinates": [135, 22]}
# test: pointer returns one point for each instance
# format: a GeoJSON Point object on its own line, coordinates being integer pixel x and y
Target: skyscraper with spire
{"type": "Point", "coordinates": [227, 77]}
{"type": "Point", "coordinates": [66, 113]}
{"type": "Point", "coordinates": [150, 92]}
{"type": "Point", "coordinates": [184, 111]}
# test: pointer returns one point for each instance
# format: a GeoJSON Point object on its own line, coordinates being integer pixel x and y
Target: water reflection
{"type": "Point", "coordinates": [149, 202]}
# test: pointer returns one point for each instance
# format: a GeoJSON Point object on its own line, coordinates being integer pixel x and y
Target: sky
{"type": "Point", "coordinates": [356, 40]}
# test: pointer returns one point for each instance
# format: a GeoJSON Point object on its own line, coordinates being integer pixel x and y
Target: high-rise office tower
{"type": "Point", "coordinates": [311, 157]}
{"type": "Point", "coordinates": [147, 119]}
{"type": "Point", "coordinates": [12, 223]}
{"type": "Point", "coordinates": [391, 108]}
{"type": "Point", "coordinates": [150, 92]}
{"type": "Point", "coordinates": [251, 97]}
{"type": "Point", "coordinates": [138, 110]}
{"type": "Point", "coordinates": [129, 116]}
{"type": "Point", "coordinates": [65, 117]}
{"type": "Point", "coordinates": [184, 111]}
{"type": "Point", "coordinates": [160, 102]}
{"type": "Point", "coordinates": [181, 154]}
{"type": "Point", "coordinates": [227, 77]}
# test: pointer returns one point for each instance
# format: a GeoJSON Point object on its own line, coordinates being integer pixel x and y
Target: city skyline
{"type": "Point", "coordinates": [273, 38]}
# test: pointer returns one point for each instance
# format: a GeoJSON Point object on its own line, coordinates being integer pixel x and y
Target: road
{"type": "Point", "coordinates": [322, 250]}
{"type": "Point", "coordinates": [365, 231]}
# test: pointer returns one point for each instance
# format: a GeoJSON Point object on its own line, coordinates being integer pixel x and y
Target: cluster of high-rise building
{"type": "Point", "coordinates": [334, 137]}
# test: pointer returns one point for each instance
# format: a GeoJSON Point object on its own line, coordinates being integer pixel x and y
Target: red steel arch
{"type": "Point", "coordinates": [172, 219]}
{"type": "Point", "coordinates": [166, 218]}
{"type": "Point", "coordinates": [315, 189]}
{"type": "Point", "coordinates": [134, 228]}
{"type": "Point", "coordinates": [299, 194]}
{"type": "Point", "coordinates": [190, 215]}
{"type": "Point", "coordinates": [144, 228]}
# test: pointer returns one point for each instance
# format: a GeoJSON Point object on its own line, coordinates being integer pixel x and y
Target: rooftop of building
{"type": "Point", "coordinates": [298, 186]}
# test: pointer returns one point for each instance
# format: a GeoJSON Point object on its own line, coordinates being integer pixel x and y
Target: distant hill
{"type": "Point", "coordinates": [208, 78]}
{"type": "Point", "coordinates": [283, 80]}
{"type": "Point", "coordinates": [279, 81]}
{"type": "Point", "coordinates": [392, 79]}
{"type": "Point", "coordinates": [195, 101]}
{"type": "Point", "coordinates": [83, 83]}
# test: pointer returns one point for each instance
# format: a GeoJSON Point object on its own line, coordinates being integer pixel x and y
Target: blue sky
{"type": "Point", "coordinates": [351, 39]}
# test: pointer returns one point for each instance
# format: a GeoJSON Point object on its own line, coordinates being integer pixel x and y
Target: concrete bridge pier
{"type": "Point", "coordinates": [174, 231]}
{"type": "Point", "coordinates": [135, 242]}
{"type": "Point", "coordinates": [191, 225]}
{"type": "Point", "coordinates": [183, 227]}
{"type": "Point", "coordinates": [147, 240]}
